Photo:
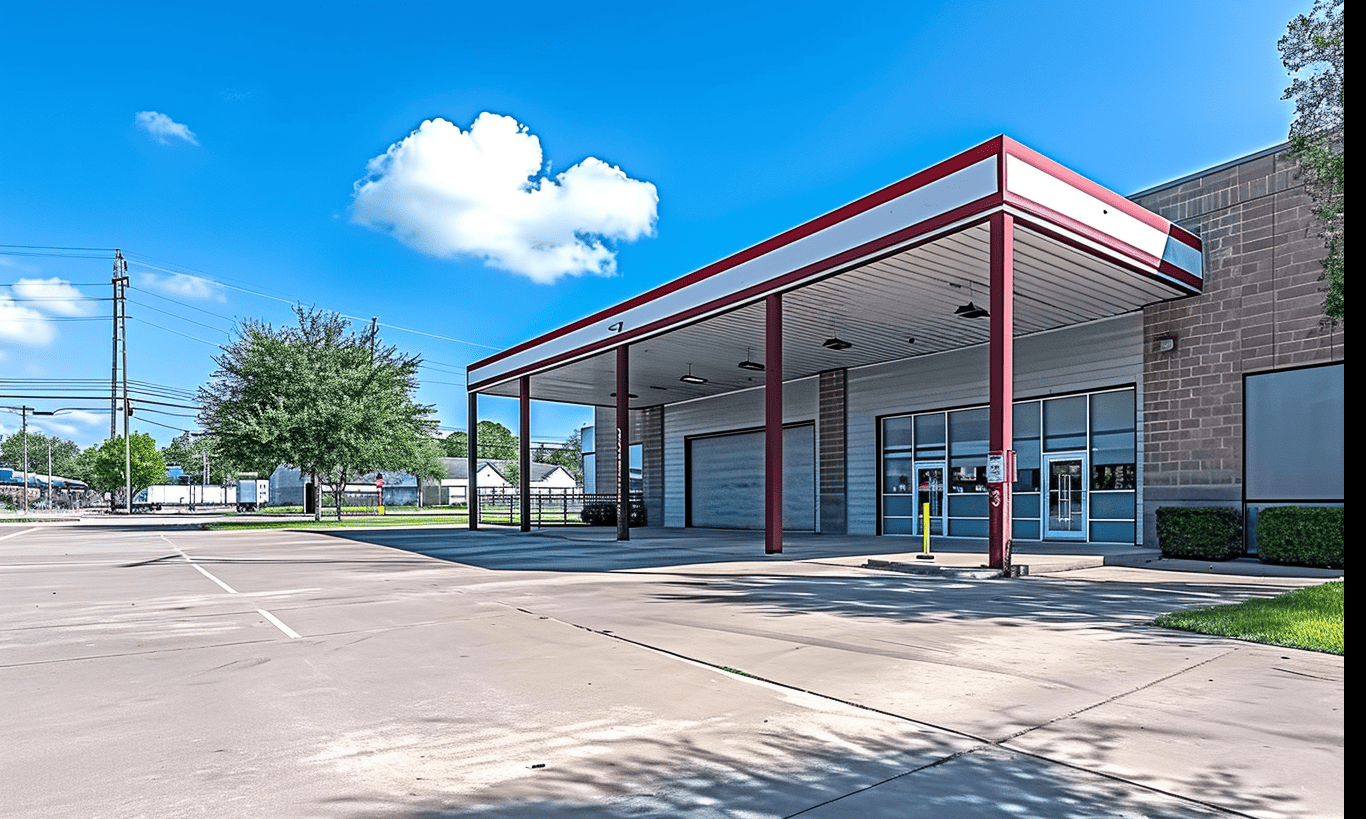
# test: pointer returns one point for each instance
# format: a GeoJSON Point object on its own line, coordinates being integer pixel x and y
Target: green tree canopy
{"type": "Point", "coordinates": [320, 396]}
{"type": "Point", "coordinates": [568, 455]}
{"type": "Point", "coordinates": [190, 451]}
{"type": "Point", "coordinates": [65, 454]}
{"type": "Point", "coordinates": [1313, 51]}
{"type": "Point", "coordinates": [495, 441]}
{"type": "Point", "coordinates": [111, 461]}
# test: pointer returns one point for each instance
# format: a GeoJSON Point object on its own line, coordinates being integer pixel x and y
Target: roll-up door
{"type": "Point", "coordinates": [726, 480]}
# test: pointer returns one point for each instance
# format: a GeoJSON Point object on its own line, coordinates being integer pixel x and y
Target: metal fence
{"type": "Point", "coordinates": [557, 509]}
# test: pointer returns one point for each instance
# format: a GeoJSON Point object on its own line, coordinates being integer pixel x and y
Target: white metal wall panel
{"type": "Point", "coordinates": [730, 412]}
{"type": "Point", "coordinates": [726, 479]}
{"type": "Point", "coordinates": [1099, 354]}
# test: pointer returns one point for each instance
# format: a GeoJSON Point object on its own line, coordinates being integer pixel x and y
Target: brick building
{"type": "Point", "coordinates": [1163, 349]}
{"type": "Point", "coordinates": [1261, 313]}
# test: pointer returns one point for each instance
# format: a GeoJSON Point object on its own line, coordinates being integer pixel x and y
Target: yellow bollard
{"type": "Point", "coordinates": [926, 528]}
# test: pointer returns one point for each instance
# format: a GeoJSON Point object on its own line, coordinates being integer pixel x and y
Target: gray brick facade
{"type": "Point", "coordinates": [1261, 310]}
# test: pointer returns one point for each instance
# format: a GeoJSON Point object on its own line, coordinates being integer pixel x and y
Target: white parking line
{"type": "Point", "coordinates": [20, 532]}
{"type": "Point", "coordinates": [190, 560]}
{"type": "Point", "coordinates": [226, 587]}
{"type": "Point", "coordinates": [289, 632]}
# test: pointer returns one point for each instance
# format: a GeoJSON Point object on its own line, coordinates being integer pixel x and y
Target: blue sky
{"type": "Point", "coordinates": [221, 149]}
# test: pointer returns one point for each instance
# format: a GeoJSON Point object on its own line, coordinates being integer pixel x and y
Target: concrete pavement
{"type": "Point", "coordinates": [443, 673]}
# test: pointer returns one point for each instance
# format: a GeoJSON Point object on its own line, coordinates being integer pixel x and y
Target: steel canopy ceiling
{"type": "Point", "coordinates": [888, 268]}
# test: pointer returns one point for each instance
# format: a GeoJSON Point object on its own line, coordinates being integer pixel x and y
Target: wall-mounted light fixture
{"type": "Point", "coordinates": [1165, 344]}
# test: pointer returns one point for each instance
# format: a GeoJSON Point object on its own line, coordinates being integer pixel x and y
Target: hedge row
{"type": "Point", "coordinates": [1204, 533]}
{"type": "Point", "coordinates": [1302, 535]}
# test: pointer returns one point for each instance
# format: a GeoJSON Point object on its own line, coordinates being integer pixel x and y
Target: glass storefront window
{"type": "Point", "coordinates": [940, 457]}
{"type": "Point", "coordinates": [1064, 424]}
{"type": "Point", "coordinates": [968, 450]}
{"type": "Point", "coordinates": [896, 434]}
{"type": "Point", "coordinates": [1027, 447]}
{"type": "Point", "coordinates": [929, 437]}
{"type": "Point", "coordinates": [1112, 441]}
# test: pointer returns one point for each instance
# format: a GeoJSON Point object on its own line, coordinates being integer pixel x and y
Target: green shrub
{"type": "Point", "coordinates": [1302, 535]}
{"type": "Point", "coordinates": [1204, 533]}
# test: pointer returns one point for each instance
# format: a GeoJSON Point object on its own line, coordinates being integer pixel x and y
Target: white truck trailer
{"type": "Point", "coordinates": [252, 494]}
{"type": "Point", "coordinates": [155, 497]}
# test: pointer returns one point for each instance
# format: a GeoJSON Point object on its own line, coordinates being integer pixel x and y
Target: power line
{"type": "Point", "coordinates": [176, 315]}
{"type": "Point", "coordinates": [177, 332]}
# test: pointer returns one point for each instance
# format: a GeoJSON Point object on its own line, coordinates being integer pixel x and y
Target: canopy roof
{"type": "Point", "coordinates": [892, 266]}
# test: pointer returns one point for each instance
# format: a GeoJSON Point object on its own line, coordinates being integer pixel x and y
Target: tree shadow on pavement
{"type": "Point", "coordinates": [913, 598]}
{"type": "Point", "coordinates": [687, 782]}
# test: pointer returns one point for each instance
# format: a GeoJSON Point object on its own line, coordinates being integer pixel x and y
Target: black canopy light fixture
{"type": "Point", "coordinates": [692, 379]}
{"type": "Point", "coordinates": [836, 343]}
{"type": "Point", "coordinates": [969, 310]}
{"type": "Point", "coordinates": [749, 363]}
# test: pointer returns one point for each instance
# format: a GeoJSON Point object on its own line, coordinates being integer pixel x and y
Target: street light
{"type": "Point", "coordinates": [23, 414]}
{"type": "Point", "coordinates": [49, 450]}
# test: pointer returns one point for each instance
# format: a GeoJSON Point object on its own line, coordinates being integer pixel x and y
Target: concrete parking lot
{"type": "Point", "coordinates": [154, 671]}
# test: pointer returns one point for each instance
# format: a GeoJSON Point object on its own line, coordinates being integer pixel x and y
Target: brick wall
{"type": "Point", "coordinates": [832, 420]}
{"type": "Point", "coordinates": [1262, 309]}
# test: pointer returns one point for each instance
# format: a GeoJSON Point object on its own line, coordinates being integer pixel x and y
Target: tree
{"type": "Point", "coordinates": [190, 451]}
{"type": "Point", "coordinates": [495, 441]}
{"type": "Point", "coordinates": [331, 401]}
{"type": "Point", "coordinates": [568, 455]}
{"type": "Point", "coordinates": [111, 461]}
{"type": "Point", "coordinates": [65, 454]}
{"type": "Point", "coordinates": [427, 465]}
{"type": "Point", "coordinates": [1313, 50]}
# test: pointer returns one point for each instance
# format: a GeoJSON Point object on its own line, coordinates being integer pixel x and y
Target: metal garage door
{"type": "Point", "coordinates": [726, 480]}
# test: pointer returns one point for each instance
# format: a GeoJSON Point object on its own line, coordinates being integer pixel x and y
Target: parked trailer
{"type": "Point", "coordinates": [252, 495]}
{"type": "Point", "coordinates": [155, 497]}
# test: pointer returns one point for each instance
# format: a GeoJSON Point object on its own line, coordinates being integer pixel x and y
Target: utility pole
{"type": "Point", "coordinates": [114, 354]}
{"type": "Point", "coordinates": [23, 415]}
{"type": "Point", "coordinates": [121, 337]}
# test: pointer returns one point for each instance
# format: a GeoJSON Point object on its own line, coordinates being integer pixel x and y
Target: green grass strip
{"type": "Point", "coordinates": [1311, 618]}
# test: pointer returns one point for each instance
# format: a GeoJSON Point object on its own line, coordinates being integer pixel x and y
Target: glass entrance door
{"type": "Point", "coordinates": [929, 481]}
{"type": "Point", "coordinates": [1065, 516]}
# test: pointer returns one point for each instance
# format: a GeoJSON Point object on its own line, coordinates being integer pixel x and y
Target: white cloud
{"type": "Point", "coordinates": [183, 284]}
{"type": "Point", "coordinates": [481, 193]}
{"type": "Point", "coordinates": [54, 295]}
{"type": "Point", "coordinates": [24, 325]}
{"type": "Point", "coordinates": [161, 126]}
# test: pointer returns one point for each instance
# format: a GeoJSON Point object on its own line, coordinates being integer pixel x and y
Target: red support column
{"type": "Point", "coordinates": [472, 461]}
{"type": "Point", "coordinates": [623, 444]}
{"type": "Point", "coordinates": [524, 451]}
{"type": "Point", "coordinates": [1001, 460]}
{"type": "Point", "coordinates": [773, 424]}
